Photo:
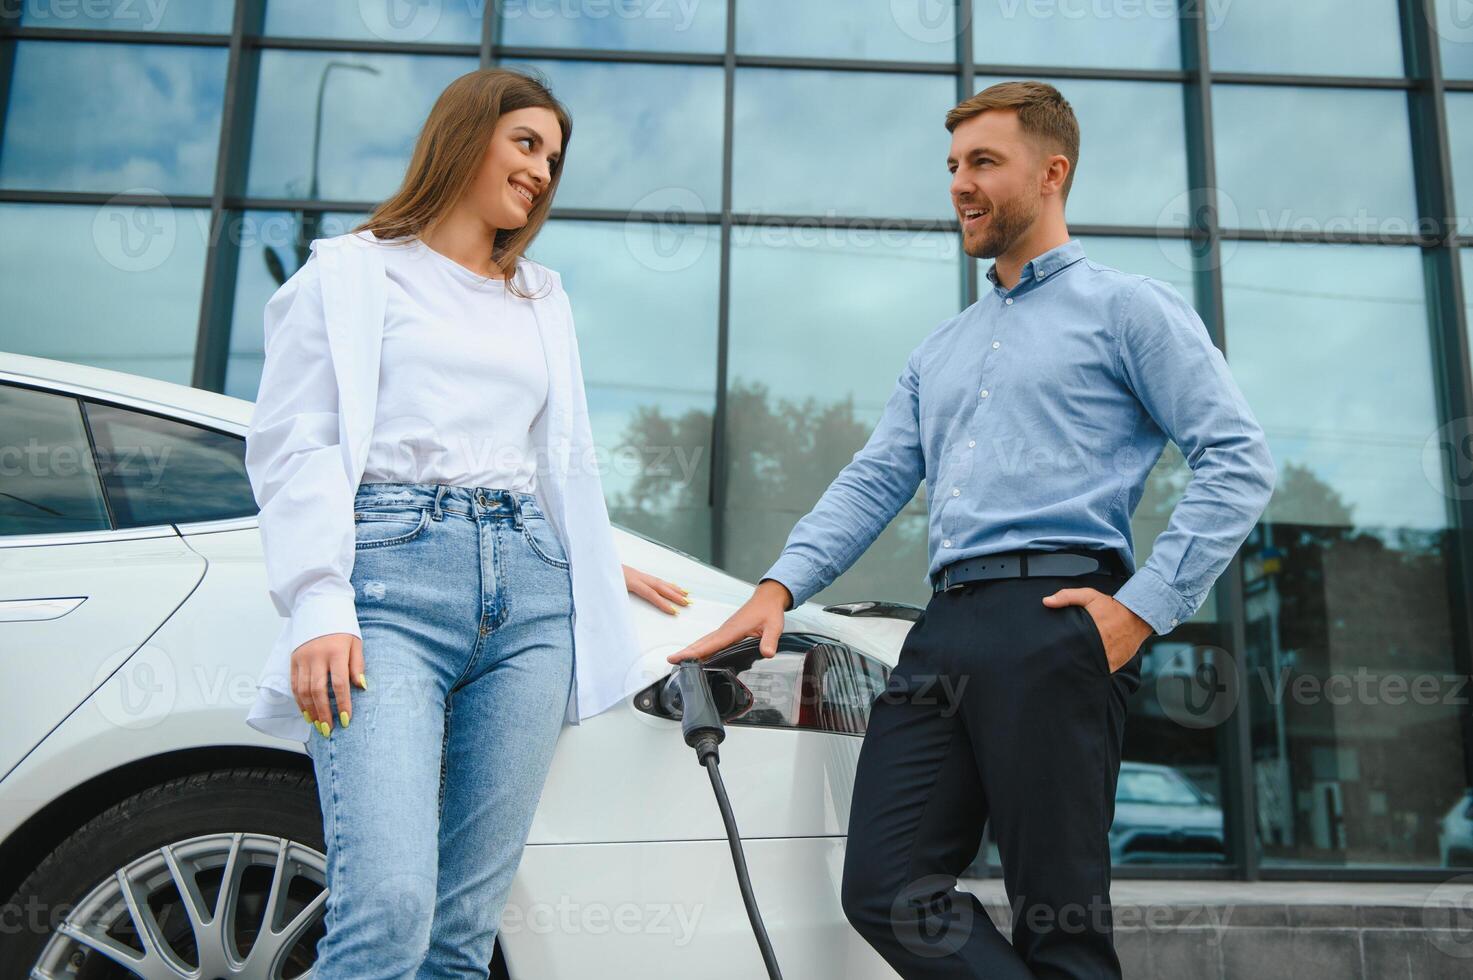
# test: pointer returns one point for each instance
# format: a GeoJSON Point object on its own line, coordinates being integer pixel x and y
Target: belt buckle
{"type": "Point", "coordinates": [946, 585]}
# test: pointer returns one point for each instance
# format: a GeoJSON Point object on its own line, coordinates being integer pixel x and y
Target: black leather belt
{"type": "Point", "coordinates": [1026, 564]}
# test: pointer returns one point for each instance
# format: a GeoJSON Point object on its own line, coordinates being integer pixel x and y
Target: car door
{"type": "Point", "coordinates": [90, 564]}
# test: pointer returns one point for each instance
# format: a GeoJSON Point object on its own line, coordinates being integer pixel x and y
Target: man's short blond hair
{"type": "Point", "coordinates": [1043, 113]}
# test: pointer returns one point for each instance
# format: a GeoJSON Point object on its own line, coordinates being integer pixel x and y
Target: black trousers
{"type": "Point", "coordinates": [1000, 709]}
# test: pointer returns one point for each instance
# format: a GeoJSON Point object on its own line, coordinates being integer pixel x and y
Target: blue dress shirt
{"type": "Point", "coordinates": [1034, 416]}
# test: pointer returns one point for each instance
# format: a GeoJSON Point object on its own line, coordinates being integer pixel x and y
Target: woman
{"type": "Point", "coordinates": [431, 518]}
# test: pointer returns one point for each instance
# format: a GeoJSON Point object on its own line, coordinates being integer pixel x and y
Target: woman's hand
{"type": "Point", "coordinates": [339, 655]}
{"type": "Point", "coordinates": [656, 591]}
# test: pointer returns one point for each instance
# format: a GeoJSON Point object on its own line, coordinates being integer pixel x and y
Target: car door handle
{"type": "Point", "coordinates": [32, 610]}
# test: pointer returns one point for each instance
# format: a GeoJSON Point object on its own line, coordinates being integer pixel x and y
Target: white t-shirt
{"type": "Point", "coordinates": [462, 377]}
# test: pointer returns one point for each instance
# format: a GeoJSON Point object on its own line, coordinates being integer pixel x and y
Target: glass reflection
{"type": "Point", "coordinates": [646, 137]}
{"type": "Point", "coordinates": [863, 144]}
{"type": "Point", "coordinates": [273, 245]}
{"type": "Point", "coordinates": [113, 287]}
{"type": "Point", "coordinates": [1356, 745]}
{"type": "Point", "coordinates": [644, 297]}
{"type": "Point", "coordinates": [1455, 31]}
{"type": "Point", "coordinates": [1309, 37]}
{"type": "Point", "coordinates": [373, 108]}
{"type": "Point", "coordinates": [1076, 35]}
{"type": "Point", "coordinates": [1132, 151]}
{"type": "Point", "coordinates": [1460, 139]}
{"type": "Point", "coordinates": [800, 298]}
{"type": "Point", "coordinates": [85, 116]}
{"type": "Point", "coordinates": [386, 20]}
{"type": "Point", "coordinates": [889, 31]}
{"type": "Point", "coordinates": [630, 25]}
{"type": "Point", "coordinates": [1297, 160]}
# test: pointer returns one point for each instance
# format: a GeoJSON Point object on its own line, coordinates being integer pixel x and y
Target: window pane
{"type": "Point", "coordinates": [1346, 576]}
{"type": "Point", "coordinates": [130, 15]}
{"type": "Point", "coordinates": [159, 471]}
{"type": "Point", "coordinates": [447, 23]}
{"type": "Point", "coordinates": [646, 137]}
{"type": "Point", "coordinates": [637, 25]}
{"type": "Point", "coordinates": [802, 297]}
{"type": "Point", "coordinates": [46, 465]}
{"type": "Point", "coordinates": [373, 108]}
{"type": "Point", "coordinates": [1323, 174]}
{"type": "Point", "coordinates": [1455, 29]}
{"type": "Point", "coordinates": [1460, 135]}
{"type": "Point", "coordinates": [1132, 152]}
{"type": "Point", "coordinates": [1310, 37]}
{"type": "Point", "coordinates": [114, 287]}
{"type": "Point", "coordinates": [1076, 35]}
{"type": "Point", "coordinates": [645, 301]}
{"type": "Point", "coordinates": [113, 117]}
{"type": "Point", "coordinates": [273, 245]}
{"type": "Point", "coordinates": [889, 31]}
{"type": "Point", "coordinates": [850, 143]}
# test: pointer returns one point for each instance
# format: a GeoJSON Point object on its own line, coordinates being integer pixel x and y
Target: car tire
{"type": "Point", "coordinates": [195, 817]}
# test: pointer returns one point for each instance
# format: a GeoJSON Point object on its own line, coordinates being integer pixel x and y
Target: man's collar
{"type": "Point", "coordinates": [1042, 266]}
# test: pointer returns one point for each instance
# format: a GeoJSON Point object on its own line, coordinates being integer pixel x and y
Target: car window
{"type": "Point", "coordinates": [48, 483]}
{"type": "Point", "coordinates": [1146, 786]}
{"type": "Point", "coordinates": [158, 470]}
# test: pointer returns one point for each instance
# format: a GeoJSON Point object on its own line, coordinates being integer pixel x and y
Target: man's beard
{"type": "Point", "coordinates": [1009, 222]}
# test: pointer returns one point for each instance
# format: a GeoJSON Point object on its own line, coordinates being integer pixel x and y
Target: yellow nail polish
{"type": "Point", "coordinates": [343, 717]}
{"type": "Point", "coordinates": [363, 682]}
{"type": "Point", "coordinates": [686, 591]}
{"type": "Point", "coordinates": [322, 727]}
{"type": "Point", "coordinates": [307, 715]}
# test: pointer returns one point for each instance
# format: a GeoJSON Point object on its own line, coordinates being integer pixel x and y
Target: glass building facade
{"type": "Point", "coordinates": [755, 230]}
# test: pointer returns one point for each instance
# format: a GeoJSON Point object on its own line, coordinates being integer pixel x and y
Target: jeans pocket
{"type": "Point", "coordinates": [384, 528]}
{"type": "Point", "coordinates": [543, 540]}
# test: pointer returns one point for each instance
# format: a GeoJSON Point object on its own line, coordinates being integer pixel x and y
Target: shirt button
{"type": "Point", "coordinates": [971, 443]}
{"type": "Point", "coordinates": [984, 393]}
{"type": "Point", "coordinates": [955, 492]}
{"type": "Point", "coordinates": [1173, 622]}
{"type": "Point", "coordinates": [1009, 301]}
{"type": "Point", "coordinates": [946, 543]}
{"type": "Point", "coordinates": [995, 345]}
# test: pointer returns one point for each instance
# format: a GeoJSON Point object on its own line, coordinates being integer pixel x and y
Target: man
{"type": "Point", "coordinates": [1034, 417]}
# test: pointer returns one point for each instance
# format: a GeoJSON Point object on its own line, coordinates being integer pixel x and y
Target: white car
{"type": "Point", "coordinates": [146, 830]}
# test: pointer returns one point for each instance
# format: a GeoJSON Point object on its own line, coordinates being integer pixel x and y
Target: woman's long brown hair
{"type": "Point", "coordinates": [449, 152]}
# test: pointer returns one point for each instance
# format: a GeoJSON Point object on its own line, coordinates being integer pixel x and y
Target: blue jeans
{"type": "Point", "coordinates": [465, 602]}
